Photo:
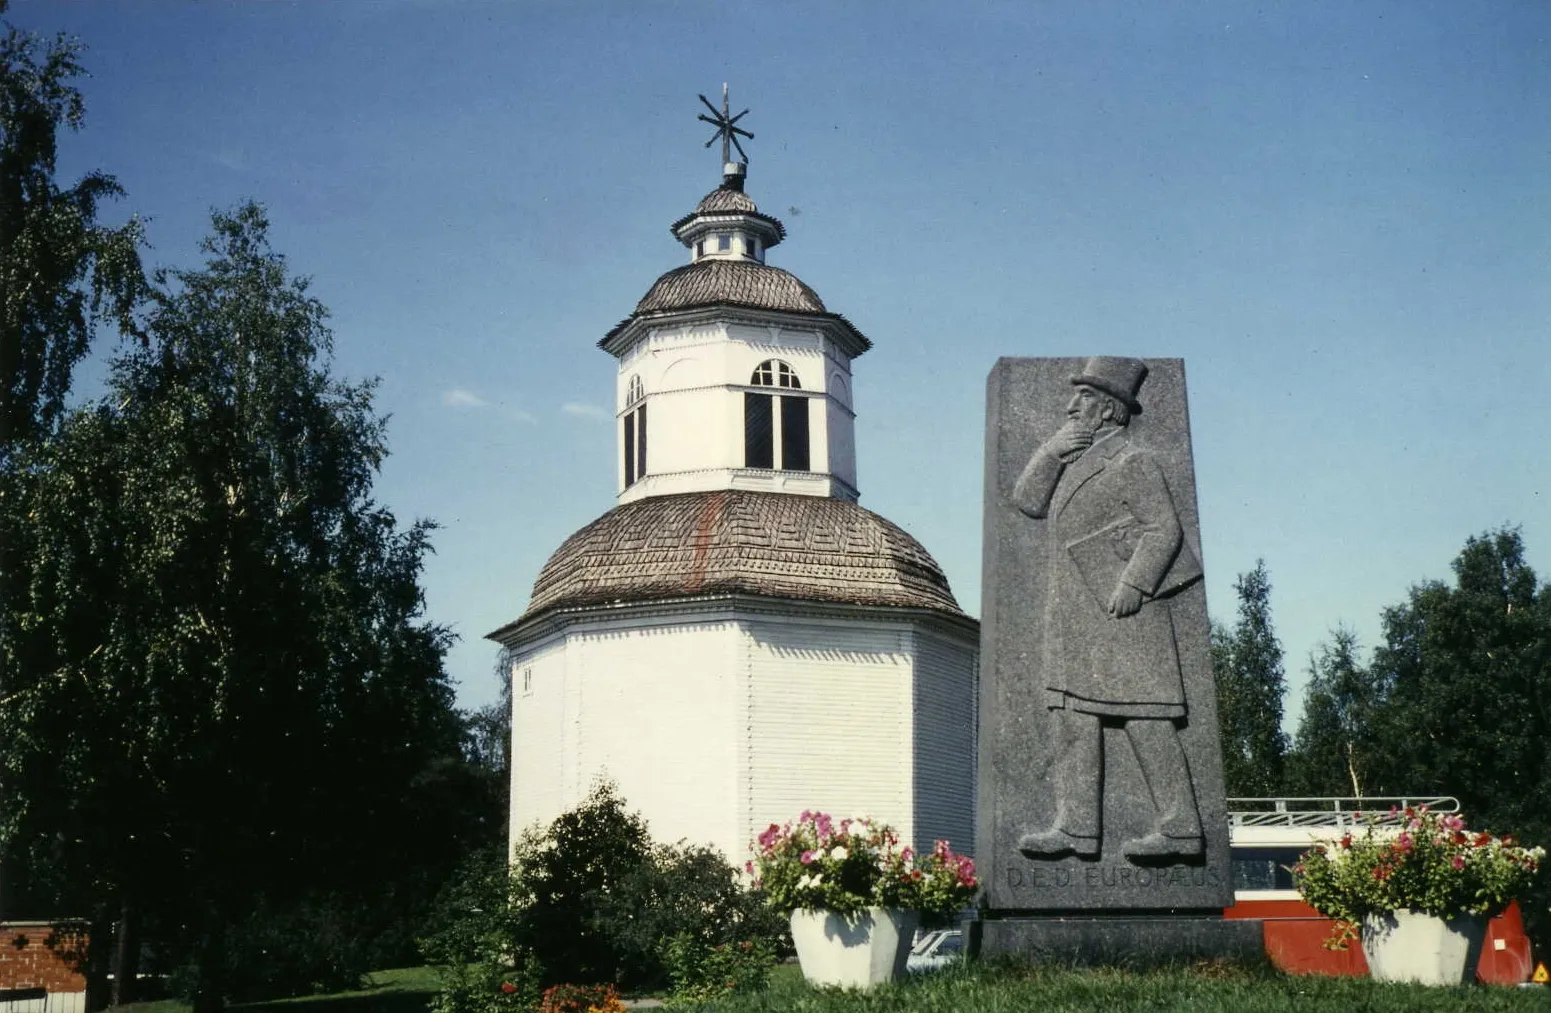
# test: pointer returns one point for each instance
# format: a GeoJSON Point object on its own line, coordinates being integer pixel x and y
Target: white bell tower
{"type": "Point", "coordinates": [732, 374]}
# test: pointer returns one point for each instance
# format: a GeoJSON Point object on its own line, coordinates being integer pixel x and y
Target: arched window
{"type": "Point", "coordinates": [775, 427]}
{"type": "Point", "coordinates": [633, 439]}
{"type": "Point", "coordinates": [775, 373]}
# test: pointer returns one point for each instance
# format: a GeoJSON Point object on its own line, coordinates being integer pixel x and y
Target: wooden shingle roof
{"type": "Point", "coordinates": [734, 282]}
{"type": "Point", "coordinates": [775, 545]}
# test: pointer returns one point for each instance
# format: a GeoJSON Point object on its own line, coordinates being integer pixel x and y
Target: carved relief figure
{"type": "Point", "coordinates": [1117, 554]}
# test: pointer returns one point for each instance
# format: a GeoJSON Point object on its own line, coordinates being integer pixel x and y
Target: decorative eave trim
{"type": "Point", "coordinates": [836, 327]}
{"type": "Point", "coordinates": [681, 227]}
{"type": "Point", "coordinates": [687, 230]}
{"type": "Point", "coordinates": [522, 632]}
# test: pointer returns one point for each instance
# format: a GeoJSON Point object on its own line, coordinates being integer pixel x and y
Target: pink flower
{"type": "Point", "coordinates": [1458, 861]}
{"type": "Point", "coordinates": [748, 867]}
{"type": "Point", "coordinates": [808, 857]}
{"type": "Point", "coordinates": [906, 855]}
{"type": "Point", "coordinates": [1453, 823]}
{"type": "Point", "coordinates": [768, 838]}
{"type": "Point", "coordinates": [1403, 842]}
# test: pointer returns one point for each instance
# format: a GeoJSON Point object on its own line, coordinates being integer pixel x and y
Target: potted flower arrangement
{"type": "Point", "coordinates": [1417, 890]}
{"type": "Point", "coordinates": [854, 895]}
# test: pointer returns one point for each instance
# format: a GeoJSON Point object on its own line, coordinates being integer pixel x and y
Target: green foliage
{"type": "Point", "coordinates": [572, 888]}
{"type": "Point", "coordinates": [1428, 862]}
{"type": "Point", "coordinates": [590, 900]}
{"type": "Point", "coordinates": [699, 973]}
{"type": "Point", "coordinates": [469, 940]}
{"type": "Point", "coordinates": [595, 899]}
{"type": "Point", "coordinates": [314, 946]}
{"type": "Point", "coordinates": [59, 269]}
{"type": "Point", "coordinates": [853, 864]}
{"type": "Point", "coordinates": [1247, 668]}
{"type": "Point", "coordinates": [219, 660]}
{"type": "Point", "coordinates": [1467, 670]}
{"type": "Point", "coordinates": [1337, 747]}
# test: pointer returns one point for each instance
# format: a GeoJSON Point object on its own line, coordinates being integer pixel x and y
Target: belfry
{"type": "Point", "coordinates": [737, 639]}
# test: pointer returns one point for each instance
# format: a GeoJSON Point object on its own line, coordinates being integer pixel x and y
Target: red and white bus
{"type": "Point", "coordinates": [1267, 835]}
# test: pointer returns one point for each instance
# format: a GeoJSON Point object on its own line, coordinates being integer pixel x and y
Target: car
{"type": "Point", "coordinates": [935, 949]}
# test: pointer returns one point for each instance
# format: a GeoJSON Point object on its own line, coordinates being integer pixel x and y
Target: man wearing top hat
{"type": "Point", "coordinates": [1117, 554]}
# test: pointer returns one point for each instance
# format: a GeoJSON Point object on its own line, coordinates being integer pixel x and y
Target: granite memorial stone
{"type": "Point", "coordinates": [1100, 771]}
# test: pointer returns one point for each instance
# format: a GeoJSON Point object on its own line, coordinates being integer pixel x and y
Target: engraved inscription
{"type": "Point", "coordinates": [1111, 876]}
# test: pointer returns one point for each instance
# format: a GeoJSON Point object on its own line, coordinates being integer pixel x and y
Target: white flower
{"type": "Point", "coordinates": [839, 854]}
{"type": "Point", "coordinates": [804, 881]}
{"type": "Point", "coordinates": [817, 879]}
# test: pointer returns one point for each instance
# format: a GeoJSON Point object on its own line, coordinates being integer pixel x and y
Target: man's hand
{"type": "Point", "coordinates": [1070, 441]}
{"type": "Point", "coordinates": [1126, 601]}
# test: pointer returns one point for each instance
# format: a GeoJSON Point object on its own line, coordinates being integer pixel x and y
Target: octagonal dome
{"type": "Point", "coordinates": [773, 545]}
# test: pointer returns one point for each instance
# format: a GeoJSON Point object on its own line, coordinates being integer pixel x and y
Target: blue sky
{"type": "Point", "coordinates": [1337, 213]}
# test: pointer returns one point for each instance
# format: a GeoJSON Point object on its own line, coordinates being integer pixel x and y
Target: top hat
{"type": "Point", "coordinates": [1116, 376]}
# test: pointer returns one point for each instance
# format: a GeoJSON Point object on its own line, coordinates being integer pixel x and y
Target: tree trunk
{"type": "Point", "coordinates": [126, 953]}
{"type": "Point", "coordinates": [99, 955]}
{"type": "Point", "coordinates": [210, 992]}
{"type": "Point", "coordinates": [1351, 772]}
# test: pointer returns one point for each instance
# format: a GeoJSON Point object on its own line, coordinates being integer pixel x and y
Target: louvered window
{"type": "Point", "coordinates": [775, 428]}
{"type": "Point", "coordinates": [633, 438]}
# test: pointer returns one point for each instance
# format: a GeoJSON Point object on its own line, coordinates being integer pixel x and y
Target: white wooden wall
{"type": "Point", "coordinates": [715, 728]}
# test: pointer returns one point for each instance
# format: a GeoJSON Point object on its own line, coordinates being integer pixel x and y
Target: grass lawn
{"type": "Point", "coordinates": [1204, 988]}
{"type": "Point", "coordinates": [402, 990]}
{"type": "Point", "coordinates": [1208, 988]}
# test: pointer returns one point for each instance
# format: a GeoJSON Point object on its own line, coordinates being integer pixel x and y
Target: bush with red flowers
{"type": "Point", "coordinates": [1419, 859]}
{"type": "Point", "coordinates": [581, 999]}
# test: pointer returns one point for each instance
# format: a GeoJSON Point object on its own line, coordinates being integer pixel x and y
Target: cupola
{"type": "Point", "coordinates": [732, 373]}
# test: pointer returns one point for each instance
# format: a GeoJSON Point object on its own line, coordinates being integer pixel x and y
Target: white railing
{"type": "Point", "coordinates": [1329, 811]}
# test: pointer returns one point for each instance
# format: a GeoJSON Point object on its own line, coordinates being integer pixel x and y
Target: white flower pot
{"type": "Point", "coordinates": [853, 951]}
{"type": "Point", "coordinates": [1406, 945]}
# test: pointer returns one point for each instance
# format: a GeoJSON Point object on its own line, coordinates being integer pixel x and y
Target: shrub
{"type": "Point", "coordinates": [470, 939]}
{"type": "Point", "coordinates": [575, 888]}
{"type": "Point", "coordinates": [588, 900]}
{"type": "Point", "coordinates": [311, 947]}
{"type": "Point", "coordinates": [701, 973]}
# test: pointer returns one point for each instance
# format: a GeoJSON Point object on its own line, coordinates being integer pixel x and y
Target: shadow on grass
{"type": "Point", "coordinates": [387, 1001]}
{"type": "Point", "coordinates": [399, 993]}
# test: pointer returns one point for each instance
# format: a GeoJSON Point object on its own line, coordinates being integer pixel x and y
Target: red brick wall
{"type": "Point", "coordinates": [47, 955]}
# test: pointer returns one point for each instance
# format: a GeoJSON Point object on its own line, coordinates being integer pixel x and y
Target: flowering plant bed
{"type": "Point", "coordinates": [846, 866]}
{"type": "Point", "coordinates": [581, 999]}
{"type": "Point", "coordinates": [1431, 864]}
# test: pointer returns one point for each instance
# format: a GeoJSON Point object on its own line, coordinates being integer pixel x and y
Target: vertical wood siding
{"type": "Point", "coordinates": [829, 722]}
{"type": "Point", "coordinates": [944, 758]}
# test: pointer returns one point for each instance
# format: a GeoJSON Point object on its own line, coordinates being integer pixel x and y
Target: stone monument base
{"type": "Point", "coordinates": [1118, 940]}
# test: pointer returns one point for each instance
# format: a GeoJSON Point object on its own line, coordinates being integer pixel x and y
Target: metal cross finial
{"type": "Point", "coordinates": [726, 127]}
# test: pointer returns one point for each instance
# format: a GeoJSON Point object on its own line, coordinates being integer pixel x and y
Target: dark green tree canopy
{"type": "Point", "coordinates": [1337, 749]}
{"type": "Point", "coordinates": [1466, 671]}
{"type": "Point", "coordinates": [1247, 667]}
{"type": "Point", "coordinates": [222, 688]}
{"type": "Point", "coordinates": [59, 268]}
